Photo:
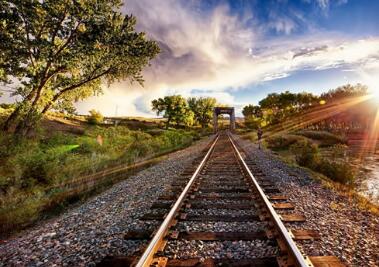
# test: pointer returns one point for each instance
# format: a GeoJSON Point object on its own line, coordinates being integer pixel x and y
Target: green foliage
{"type": "Point", "coordinates": [34, 171]}
{"type": "Point", "coordinates": [95, 117]}
{"type": "Point", "coordinates": [340, 172]}
{"type": "Point", "coordinates": [202, 107]}
{"type": "Point", "coordinates": [62, 51]}
{"type": "Point", "coordinates": [252, 111]}
{"type": "Point", "coordinates": [253, 116]}
{"type": "Point", "coordinates": [174, 109]}
{"type": "Point", "coordinates": [288, 101]}
{"type": "Point", "coordinates": [253, 123]}
{"type": "Point", "coordinates": [306, 154]}
{"type": "Point", "coordinates": [279, 106]}
{"type": "Point", "coordinates": [7, 106]}
{"type": "Point", "coordinates": [280, 142]}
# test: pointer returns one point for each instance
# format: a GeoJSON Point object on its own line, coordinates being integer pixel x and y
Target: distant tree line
{"type": "Point", "coordinates": [186, 112]}
{"type": "Point", "coordinates": [277, 107]}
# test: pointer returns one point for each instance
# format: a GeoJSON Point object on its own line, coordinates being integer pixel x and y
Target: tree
{"type": "Point", "coordinates": [253, 116]}
{"type": "Point", "coordinates": [202, 107]}
{"type": "Point", "coordinates": [252, 111]}
{"type": "Point", "coordinates": [280, 106]}
{"type": "Point", "coordinates": [344, 92]}
{"type": "Point", "coordinates": [174, 109]}
{"type": "Point", "coordinates": [64, 50]}
{"type": "Point", "coordinates": [95, 117]}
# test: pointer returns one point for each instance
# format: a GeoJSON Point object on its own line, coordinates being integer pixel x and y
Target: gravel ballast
{"type": "Point", "coordinates": [346, 231]}
{"type": "Point", "coordinates": [86, 234]}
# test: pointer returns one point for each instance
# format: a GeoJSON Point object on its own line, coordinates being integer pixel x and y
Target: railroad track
{"type": "Point", "coordinates": [219, 214]}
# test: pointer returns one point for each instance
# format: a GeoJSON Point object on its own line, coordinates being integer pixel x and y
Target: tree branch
{"type": "Point", "coordinates": [58, 26]}
{"type": "Point", "coordinates": [74, 86]}
{"type": "Point", "coordinates": [89, 79]}
{"type": "Point", "coordinates": [30, 50]}
{"type": "Point", "coordinates": [72, 34]}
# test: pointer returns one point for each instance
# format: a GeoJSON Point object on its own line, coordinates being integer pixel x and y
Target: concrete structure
{"type": "Point", "coordinates": [221, 110]}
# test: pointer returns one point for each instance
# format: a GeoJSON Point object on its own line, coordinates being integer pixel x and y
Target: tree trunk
{"type": "Point", "coordinates": [11, 120]}
{"type": "Point", "coordinates": [10, 123]}
{"type": "Point", "coordinates": [28, 122]}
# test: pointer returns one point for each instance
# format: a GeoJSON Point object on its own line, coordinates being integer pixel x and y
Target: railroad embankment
{"type": "Point", "coordinates": [343, 220]}
{"type": "Point", "coordinates": [86, 233]}
{"type": "Point", "coordinates": [68, 160]}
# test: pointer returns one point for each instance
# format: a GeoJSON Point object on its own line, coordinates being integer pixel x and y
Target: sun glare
{"type": "Point", "coordinates": [375, 93]}
{"type": "Point", "coordinates": [372, 81]}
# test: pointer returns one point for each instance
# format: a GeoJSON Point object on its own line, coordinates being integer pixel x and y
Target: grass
{"type": "Point", "coordinates": [47, 172]}
{"type": "Point", "coordinates": [325, 138]}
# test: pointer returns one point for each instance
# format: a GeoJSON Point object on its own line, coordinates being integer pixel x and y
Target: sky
{"type": "Point", "coordinates": [238, 51]}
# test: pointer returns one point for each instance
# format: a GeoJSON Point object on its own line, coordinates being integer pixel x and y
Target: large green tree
{"type": "Point", "coordinates": [278, 106]}
{"type": "Point", "coordinates": [202, 107]}
{"type": "Point", "coordinates": [253, 116]}
{"type": "Point", "coordinates": [61, 51]}
{"type": "Point", "coordinates": [175, 109]}
{"type": "Point", "coordinates": [252, 111]}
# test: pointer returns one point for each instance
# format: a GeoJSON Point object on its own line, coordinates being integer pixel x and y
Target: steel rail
{"type": "Point", "coordinates": [297, 256]}
{"type": "Point", "coordinates": [147, 256]}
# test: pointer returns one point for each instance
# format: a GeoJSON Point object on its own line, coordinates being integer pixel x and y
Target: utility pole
{"type": "Point", "coordinates": [115, 115]}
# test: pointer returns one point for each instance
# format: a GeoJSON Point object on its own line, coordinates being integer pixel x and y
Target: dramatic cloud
{"type": "Point", "coordinates": [215, 53]}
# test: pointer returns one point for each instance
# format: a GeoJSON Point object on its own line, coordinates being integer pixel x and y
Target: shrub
{"type": "Point", "coordinates": [340, 172]}
{"type": "Point", "coordinates": [155, 132]}
{"type": "Point", "coordinates": [88, 145]}
{"type": "Point", "coordinates": [283, 141]}
{"type": "Point", "coordinates": [306, 154]}
{"type": "Point", "coordinates": [252, 123]}
{"type": "Point", "coordinates": [95, 117]}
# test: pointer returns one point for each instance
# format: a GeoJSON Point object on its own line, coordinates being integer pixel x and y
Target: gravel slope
{"type": "Point", "coordinates": [87, 233]}
{"type": "Point", "coordinates": [346, 232]}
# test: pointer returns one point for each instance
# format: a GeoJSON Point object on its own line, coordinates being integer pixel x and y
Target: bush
{"type": "Point", "coordinates": [252, 123]}
{"type": "Point", "coordinates": [95, 117]}
{"type": "Point", "coordinates": [283, 141]}
{"type": "Point", "coordinates": [306, 154]}
{"type": "Point", "coordinates": [340, 172]}
{"type": "Point", "coordinates": [339, 151]}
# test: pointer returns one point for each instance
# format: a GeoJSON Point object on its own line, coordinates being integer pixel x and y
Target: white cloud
{"type": "Point", "coordinates": [283, 24]}
{"type": "Point", "coordinates": [215, 52]}
{"type": "Point", "coordinates": [324, 4]}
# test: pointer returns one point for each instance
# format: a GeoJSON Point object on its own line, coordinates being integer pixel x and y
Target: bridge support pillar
{"type": "Point", "coordinates": [224, 110]}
